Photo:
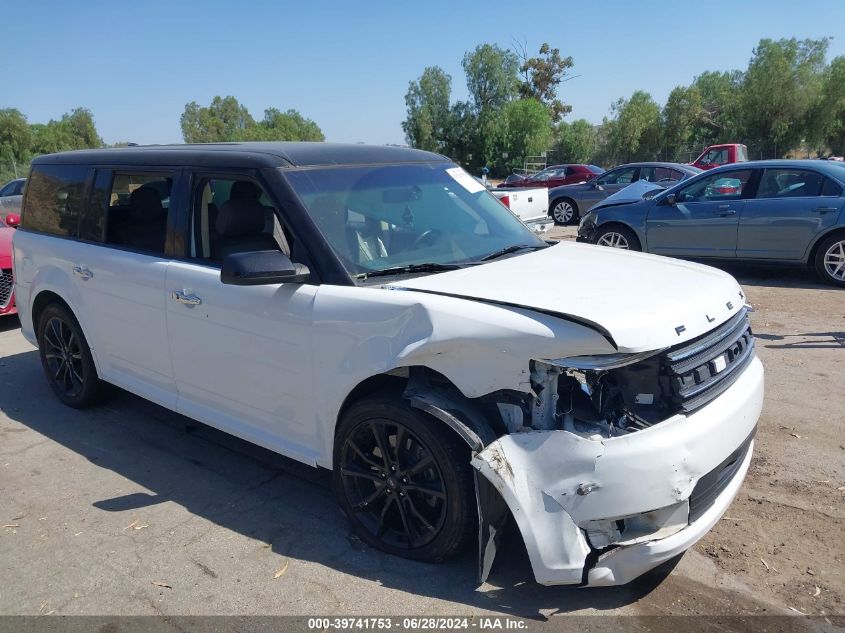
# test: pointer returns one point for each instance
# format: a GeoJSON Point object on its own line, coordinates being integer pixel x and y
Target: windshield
{"type": "Point", "coordinates": [380, 217]}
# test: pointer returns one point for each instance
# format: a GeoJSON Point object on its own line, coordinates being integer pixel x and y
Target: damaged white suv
{"type": "Point", "coordinates": [375, 311]}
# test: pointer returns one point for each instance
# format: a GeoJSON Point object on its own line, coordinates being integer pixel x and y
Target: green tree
{"type": "Point", "coordinates": [287, 126]}
{"type": "Point", "coordinates": [541, 76]}
{"type": "Point", "coordinates": [681, 114]}
{"type": "Point", "coordinates": [224, 120]}
{"type": "Point", "coordinates": [719, 120]}
{"type": "Point", "coordinates": [15, 136]}
{"type": "Point", "coordinates": [523, 129]}
{"type": "Point", "coordinates": [782, 83]}
{"type": "Point", "coordinates": [79, 130]}
{"type": "Point", "coordinates": [427, 102]}
{"type": "Point", "coordinates": [827, 119]}
{"type": "Point", "coordinates": [492, 76]}
{"type": "Point", "coordinates": [634, 131]}
{"type": "Point", "coordinates": [576, 141]}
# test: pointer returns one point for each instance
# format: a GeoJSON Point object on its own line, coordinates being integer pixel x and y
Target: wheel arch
{"type": "Point", "coordinates": [433, 393]}
{"type": "Point", "coordinates": [575, 208]}
{"type": "Point", "coordinates": [47, 297]}
{"type": "Point", "coordinates": [810, 259]}
{"type": "Point", "coordinates": [619, 224]}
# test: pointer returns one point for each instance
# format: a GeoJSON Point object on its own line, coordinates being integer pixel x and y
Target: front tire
{"type": "Point", "coordinates": [404, 480]}
{"type": "Point", "coordinates": [830, 260]}
{"type": "Point", "coordinates": [66, 358]}
{"type": "Point", "coordinates": [617, 236]}
{"type": "Point", "coordinates": [563, 211]}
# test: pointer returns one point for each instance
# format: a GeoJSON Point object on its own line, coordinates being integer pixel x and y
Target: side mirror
{"type": "Point", "coordinates": [258, 268]}
{"type": "Point", "coordinates": [13, 220]}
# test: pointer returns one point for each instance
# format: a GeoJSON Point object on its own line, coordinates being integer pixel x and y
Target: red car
{"type": "Point", "coordinates": [718, 155]}
{"type": "Point", "coordinates": [7, 295]}
{"type": "Point", "coordinates": [555, 176]}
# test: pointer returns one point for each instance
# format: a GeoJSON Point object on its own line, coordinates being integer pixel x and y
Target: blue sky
{"type": "Point", "coordinates": [347, 64]}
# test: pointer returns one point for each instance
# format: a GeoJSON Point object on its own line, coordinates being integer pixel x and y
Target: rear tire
{"type": "Point", "coordinates": [617, 236]}
{"type": "Point", "coordinates": [563, 211]}
{"type": "Point", "coordinates": [415, 496]}
{"type": "Point", "coordinates": [830, 260]}
{"type": "Point", "coordinates": [66, 358]}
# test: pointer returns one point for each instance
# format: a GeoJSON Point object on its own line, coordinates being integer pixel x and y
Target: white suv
{"type": "Point", "coordinates": [375, 311]}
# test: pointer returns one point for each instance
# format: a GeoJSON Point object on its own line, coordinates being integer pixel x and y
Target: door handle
{"type": "Point", "coordinates": [824, 209]}
{"type": "Point", "coordinates": [188, 300]}
{"type": "Point", "coordinates": [82, 272]}
{"type": "Point", "coordinates": [725, 209]}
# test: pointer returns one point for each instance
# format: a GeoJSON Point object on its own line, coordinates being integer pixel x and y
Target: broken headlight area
{"type": "Point", "coordinates": [615, 394]}
{"type": "Point", "coordinates": [600, 395]}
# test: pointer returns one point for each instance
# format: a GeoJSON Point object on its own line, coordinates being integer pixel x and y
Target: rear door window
{"type": "Point", "coordinates": [790, 183]}
{"type": "Point", "coordinates": [55, 199]}
{"type": "Point", "coordinates": [624, 176]}
{"type": "Point", "coordinates": [830, 188]}
{"type": "Point", "coordinates": [136, 206]}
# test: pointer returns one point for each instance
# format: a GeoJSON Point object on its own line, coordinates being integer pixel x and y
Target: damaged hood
{"type": "Point", "coordinates": [642, 302]}
{"type": "Point", "coordinates": [635, 192]}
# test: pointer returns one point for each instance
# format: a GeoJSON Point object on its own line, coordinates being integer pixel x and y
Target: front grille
{"type": "Point", "coordinates": [6, 283]}
{"type": "Point", "coordinates": [701, 369]}
{"type": "Point", "coordinates": [713, 483]}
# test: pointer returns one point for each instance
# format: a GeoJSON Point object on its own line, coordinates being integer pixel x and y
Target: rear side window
{"type": "Point", "coordinates": [55, 199]}
{"type": "Point", "coordinates": [790, 183]}
{"type": "Point", "coordinates": [830, 188]}
{"type": "Point", "coordinates": [136, 209]}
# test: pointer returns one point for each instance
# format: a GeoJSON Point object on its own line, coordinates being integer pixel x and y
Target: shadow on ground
{"type": "Point", "coordinates": [264, 496]}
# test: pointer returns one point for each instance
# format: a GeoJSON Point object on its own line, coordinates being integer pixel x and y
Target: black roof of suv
{"type": "Point", "coordinates": [277, 154]}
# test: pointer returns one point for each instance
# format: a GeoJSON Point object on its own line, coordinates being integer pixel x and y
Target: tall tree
{"type": "Point", "coordinates": [781, 85]}
{"type": "Point", "coordinates": [523, 129]}
{"type": "Point", "coordinates": [288, 126]}
{"type": "Point", "coordinates": [576, 141]}
{"type": "Point", "coordinates": [720, 116]}
{"type": "Point", "coordinates": [634, 132]}
{"type": "Point", "coordinates": [492, 76]}
{"type": "Point", "coordinates": [541, 76]}
{"type": "Point", "coordinates": [224, 120]}
{"type": "Point", "coordinates": [827, 117]}
{"type": "Point", "coordinates": [682, 112]}
{"type": "Point", "coordinates": [427, 102]}
{"type": "Point", "coordinates": [15, 136]}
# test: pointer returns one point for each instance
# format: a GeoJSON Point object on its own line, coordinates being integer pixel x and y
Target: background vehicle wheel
{"type": "Point", "coordinates": [404, 480]}
{"type": "Point", "coordinates": [618, 237]}
{"type": "Point", "coordinates": [564, 211]}
{"type": "Point", "coordinates": [830, 260]}
{"type": "Point", "coordinates": [66, 358]}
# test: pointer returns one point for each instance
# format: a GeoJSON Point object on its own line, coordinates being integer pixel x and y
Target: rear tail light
{"type": "Point", "coordinates": [505, 200]}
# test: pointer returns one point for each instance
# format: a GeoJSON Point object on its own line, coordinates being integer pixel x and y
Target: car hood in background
{"type": "Point", "coordinates": [642, 302]}
{"type": "Point", "coordinates": [632, 193]}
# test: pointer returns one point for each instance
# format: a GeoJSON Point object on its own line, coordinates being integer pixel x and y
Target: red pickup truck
{"type": "Point", "coordinates": [716, 155]}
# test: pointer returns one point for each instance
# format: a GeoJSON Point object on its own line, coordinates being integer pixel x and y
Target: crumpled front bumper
{"type": "Point", "coordinates": [560, 486]}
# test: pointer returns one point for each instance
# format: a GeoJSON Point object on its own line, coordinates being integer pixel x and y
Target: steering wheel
{"type": "Point", "coordinates": [427, 238]}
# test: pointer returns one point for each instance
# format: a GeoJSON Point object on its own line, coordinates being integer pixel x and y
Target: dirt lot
{"type": "Point", "coordinates": [130, 509]}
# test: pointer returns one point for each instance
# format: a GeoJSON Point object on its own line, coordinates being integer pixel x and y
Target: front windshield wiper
{"type": "Point", "coordinates": [512, 249]}
{"type": "Point", "coordinates": [427, 267]}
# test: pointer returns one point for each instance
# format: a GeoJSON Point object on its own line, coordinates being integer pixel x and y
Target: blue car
{"type": "Point", "coordinates": [765, 211]}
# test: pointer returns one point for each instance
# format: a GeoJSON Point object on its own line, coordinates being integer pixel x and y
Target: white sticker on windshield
{"type": "Point", "coordinates": [465, 180]}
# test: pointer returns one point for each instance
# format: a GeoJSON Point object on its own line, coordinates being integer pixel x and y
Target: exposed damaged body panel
{"type": "Point", "coordinates": [571, 495]}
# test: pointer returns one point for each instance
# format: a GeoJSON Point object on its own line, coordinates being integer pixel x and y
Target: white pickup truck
{"type": "Point", "coordinates": [529, 205]}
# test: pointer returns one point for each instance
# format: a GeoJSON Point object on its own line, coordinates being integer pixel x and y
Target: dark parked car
{"type": "Point", "coordinates": [780, 211]}
{"type": "Point", "coordinates": [554, 176]}
{"type": "Point", "coordinates": [567, 203]}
